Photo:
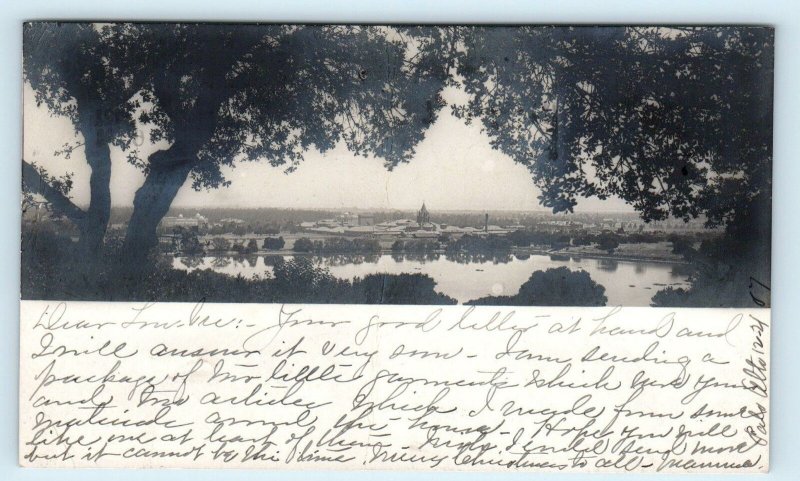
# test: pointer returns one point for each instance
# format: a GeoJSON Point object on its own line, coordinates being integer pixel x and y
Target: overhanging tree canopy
{"type": "Point", "coordinates": [270, 93]}
{"type": "Point", "coordinates": [677, 122]}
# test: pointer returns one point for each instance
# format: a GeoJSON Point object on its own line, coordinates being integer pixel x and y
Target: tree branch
{"type": "Point", "coordinates": [34, 182]}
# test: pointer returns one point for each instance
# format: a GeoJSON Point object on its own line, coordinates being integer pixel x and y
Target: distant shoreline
{"type": "Point", "coordinates": [521, 250]}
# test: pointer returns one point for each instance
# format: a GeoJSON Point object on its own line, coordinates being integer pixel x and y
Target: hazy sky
{"type": "Point", "coordinates": [454, 169]}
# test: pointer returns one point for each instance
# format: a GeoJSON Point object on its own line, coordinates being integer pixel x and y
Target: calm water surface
{"type": "Point", "coordinates": [627, 283]}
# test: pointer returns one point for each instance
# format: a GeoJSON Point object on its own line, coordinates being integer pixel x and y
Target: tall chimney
{"type": "Point", "coordinates": [486, 223]}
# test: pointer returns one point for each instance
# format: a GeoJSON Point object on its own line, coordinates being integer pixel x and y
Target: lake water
{"type": "Point", "coordinates": [627, 283]}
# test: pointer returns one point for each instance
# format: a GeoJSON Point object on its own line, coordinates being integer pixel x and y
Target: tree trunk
{"type": "Point", "coordinates": [95, 223]}
{"type": "Point", "coordinates": [168, 172]}
{"type": "Point", "coordinates": [92, 222]}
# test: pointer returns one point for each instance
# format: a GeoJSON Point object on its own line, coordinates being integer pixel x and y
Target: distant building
{"type": "Point", "coordinates": [423, 216]}
{"type": "Point", "coordinates": [181, 221]}
{"type": "Point", "coordinates": [348, 219]}
{"type": "Point", "coordinates": [366, 219]}
{"type": "Point", "coordinates": [362, 229]}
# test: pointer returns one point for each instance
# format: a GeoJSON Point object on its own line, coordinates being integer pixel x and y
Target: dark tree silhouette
{"type": "Point", "coordinates": [303, 244]}
{"type": "Point", "coordinates": [252, 246]}
{"type": "Point", "coordinates": [188, 241]}
{"type": "Point", "coordinates": [66, 65]}
{"type": "Point", "coordinates": [608, 241]}
{"type": "Point", "coordinates": [681, 245]}
{"type": "Point", "coordinates": [398, 289]}
{"type": "Point", "coordinates": [553, 287]}
{"type": "Point", "coordinates": [675, 121]}
{"type": "Point", "coordinates": [270, 93]}
{"type": "Point", "coordinates": [220, 244]}
{"type": "Point", "coordinates": [274, 243]}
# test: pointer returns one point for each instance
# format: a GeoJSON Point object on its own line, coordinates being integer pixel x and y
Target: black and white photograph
{"type": "Point", "coordinates": [337, 244]}
{"type": "Point", "coordinates": [397, 164]}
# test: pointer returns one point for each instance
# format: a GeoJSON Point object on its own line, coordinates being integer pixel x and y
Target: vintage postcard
{"type": "Point", "coordinates": [399, 247]}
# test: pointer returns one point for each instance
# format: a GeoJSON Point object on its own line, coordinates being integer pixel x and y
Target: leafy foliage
{"type": "Point", "coordinates": [608, 241]}
{"type": "Point", "coordinates": [73, 71]}
{"type": "Point", "coordinates": [333, 245]}
{"type": "Point", "coordinates": [553, 287]}
{"type": "Point", "coordinates": [220, 244]}
{"type": "Point", "coordinates": [677, 122]}
{"type": "Point", "coordinates": [398, 289]}
{"type": "Point", "coordinates": [188, 241]}
{"type": "Point", "coordinates": [271, 92]}
{"type": "Point", "coordinates": [303, 244]}
{"type": "Point", "coordinates": [274, 243]}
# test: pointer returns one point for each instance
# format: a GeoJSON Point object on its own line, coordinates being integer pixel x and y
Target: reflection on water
{"type": "Point", "coordinates": [220, 262]}
{"type": "Point", "coordinates": [271, 260]}
{"type": "Point", "coordinates": [191, 263]}
{"type": "Point", "coordinates": [470, 276]}
{"type": "Point", "coordinates": [681, 270]}
{"type": "Point", "coordinates": [608, 265]}
{"type": "Point", "coordinates": [344, 259]}
{"type": "Point", "coordinates": [420, 256]}
{"type": "Point", "coordinates": [466, 257]}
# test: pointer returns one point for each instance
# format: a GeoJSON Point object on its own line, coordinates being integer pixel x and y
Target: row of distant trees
{"type": "Point", "coordinates": [607, 241]}
{"type": "Point", "coordinates": [418, 246]}
{"type": "Point", "coordinates": [221, 244]}
{"type": "Point", "coordinates": [188, 242]}
{"type": "Point", "coordinates": [682, 244]}
{"type": "Point", "coordinates": [333, 245]}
